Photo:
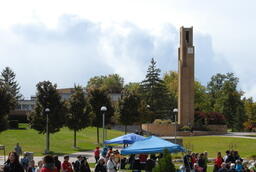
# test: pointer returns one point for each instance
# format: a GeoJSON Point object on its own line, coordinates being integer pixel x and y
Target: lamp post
{"type": "Point", "coordinates": [148, 107]}
{"type": "Point", "coordinates": [103, 109]}
{"type": "Point", "coordinates": [47, 110]}
{"type": "Point", "coordinates": [175, 111]}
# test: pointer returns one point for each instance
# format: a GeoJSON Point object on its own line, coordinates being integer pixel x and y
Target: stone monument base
{"type": "Point", "coordinates": [169, 130]}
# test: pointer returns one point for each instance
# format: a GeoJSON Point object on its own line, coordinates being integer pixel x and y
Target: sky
{"type": "Point", "coordinates": [68, 42]}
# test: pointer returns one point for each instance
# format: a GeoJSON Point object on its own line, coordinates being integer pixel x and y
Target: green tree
{"type": "Point", "coordinates": [165, 164]}
{"type": "Point", "coordinates": [97, 99]}
{"type": "Point", "coordinates": [171, 80]}
{"type": "Point", "coordinates": [201, 98]}
{"type": "Point", "coordinates": [95, 82]}
{"type": "Point", "coordinates": [132, 87]}
{"type": "Point", "coordinates": [111, 84]}
{"type": "Point", "coordinates": [225, 98]}
{"type": "Point", "coordinates": [79, 109]}
{"type": "Point", "coordinates": [12, 86]}
{"type": "Point", "coordinates": [7, 102]}
{"type": "Point", "coordinates": [250, 108]}
{"type": "Point", "coordinates": [154, 92]}
{"type": "Point", "coordinates": [129, 109]}
{"type": "Point", "coordinates": [48, 97]}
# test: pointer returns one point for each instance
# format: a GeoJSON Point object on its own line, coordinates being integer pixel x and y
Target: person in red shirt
{"type": "Point", "coordinates": [217, 162]}
{"type": "Point", "coordinates": [66, 166]}
{"type": "Point", "coordinates": [97, 154]}
{"type": "Point", "coordinates": [193, 159]}
{"type": "Point", "coordinates": [48, 164]}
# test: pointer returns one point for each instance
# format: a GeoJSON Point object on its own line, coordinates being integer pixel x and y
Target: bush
{"type": "Point", "coordinates": [249, 125]}
{"type": "Point", "coordinates": [165, 163]}
{"type": "Point", "coordinates": [3, 123]}
{"type": "Point", "coordinates": [14, 124]}
{"type": "Point", "coordinates": [20, 118]}
{"type": "Point", "coordinates": [216, 118]}
{"type": "Point", "coordinates": [200, 121]}
{"type": "Point", "coordinates": [157, 121]}
{"type": "Point", "coordinates": [185, 128]}
{"type": "Point", "coordinates": [166, 121]}
{"type": "Point", "coordinates": [200, 118]}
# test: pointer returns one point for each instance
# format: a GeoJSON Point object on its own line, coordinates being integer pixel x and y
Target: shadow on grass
{"type": "Point", "coordinates": [20, 128]}
{"type": "Point", "coordinates": [82, 149]}
{"type": "Point", "coordinates": [65, 153]}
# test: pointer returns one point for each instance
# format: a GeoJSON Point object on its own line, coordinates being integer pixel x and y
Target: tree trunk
{"type": "Point", "coordinates": [98, 141]}
{"type": "Point", "coordinates": [125, 129]}
{"type": "Point", "coordinates": [74, 138]}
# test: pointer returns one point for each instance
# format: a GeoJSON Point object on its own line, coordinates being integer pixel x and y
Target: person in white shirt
{"type": "Point", "coordinates": [111, 164]}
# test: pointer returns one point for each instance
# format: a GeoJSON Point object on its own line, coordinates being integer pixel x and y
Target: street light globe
{"type": "Point", "coordinates": [103, 109]}
{"type": "Point", "coordinates": [175, 110]}
{"type": "Point", "coordinates": [47, 110]}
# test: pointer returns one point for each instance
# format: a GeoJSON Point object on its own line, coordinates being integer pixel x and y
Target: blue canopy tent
{"type": "Point", "coordinates": [150, 145]}
{"type": "Point", "coordinates": [125, 139]}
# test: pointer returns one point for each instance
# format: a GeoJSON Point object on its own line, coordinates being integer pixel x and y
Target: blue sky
{"type": "Point", "coordinates": [68, 42]}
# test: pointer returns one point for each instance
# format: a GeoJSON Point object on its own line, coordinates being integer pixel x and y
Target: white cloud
{"type": "Point", "coordinates": [125, 33]}
{"type": "Point", "coordinates": [79, 49]}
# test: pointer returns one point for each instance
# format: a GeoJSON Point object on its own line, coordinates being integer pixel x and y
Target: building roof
{"type": "Point", "coordinates": [65, 90]}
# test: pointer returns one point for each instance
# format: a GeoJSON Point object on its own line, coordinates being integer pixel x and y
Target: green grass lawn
{"type": "Point", "coordinates": [60, 142]}
{"type": "Point", "coordinates": [213, 144]}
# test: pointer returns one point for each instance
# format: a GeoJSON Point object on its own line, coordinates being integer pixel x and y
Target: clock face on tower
{"type": "Point", "coordinates": [190, 50]}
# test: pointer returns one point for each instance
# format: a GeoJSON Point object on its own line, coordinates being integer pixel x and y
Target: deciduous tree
{"type": "Point", "coordinates": [48, 97]}
{"type": "Point", "coordinates": [97, 99]}
{"type": "Point", "coordinates": [78, 111]}
{"type": "Point", "coordinates": [111, 84]}
{"type": "Point", "coordinates": [225, 98]}
{"type": "Point", "coordinates": [129, 109]}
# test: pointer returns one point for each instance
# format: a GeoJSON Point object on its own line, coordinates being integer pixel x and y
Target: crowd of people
{"type": "Point", "coordinates": [231, 162]}
{"type": "Point", "coordinates": [109, 160]}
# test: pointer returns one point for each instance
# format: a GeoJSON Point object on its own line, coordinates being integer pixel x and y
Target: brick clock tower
{"type": "Point", "coordinates": [186, 78]}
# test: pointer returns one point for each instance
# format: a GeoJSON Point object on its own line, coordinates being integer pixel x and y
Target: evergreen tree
{"type": "Point", "coordinates": [7, 102]}
{"type": "Point", "coordinates": [12, 86]}
{"type": "Point", "coordinates": [47, 97]}
{"type": "Point", "coordinates": [78, 108]}
{"type": "Point", "coordinates": [154, 92]}
{"type": "Point", "coordinates": [97, 99]}
{"type": "Point", "coordinates": [165, 164]}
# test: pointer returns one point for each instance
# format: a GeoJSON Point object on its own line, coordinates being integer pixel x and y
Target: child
{"type": "Point", "coordinates": [31, 166]}
{"type": "Point", "coordinates": [97, 154]}
{"type": "Point", "coordinates": [40, 165]}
